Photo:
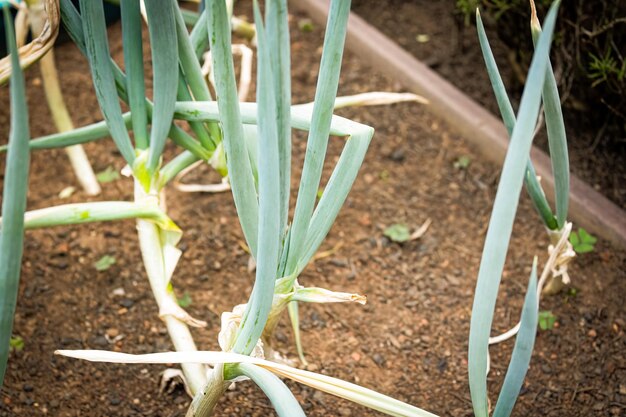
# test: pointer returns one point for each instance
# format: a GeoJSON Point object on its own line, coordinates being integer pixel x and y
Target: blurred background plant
{"type": "Point", "coordinates": [589, 56]}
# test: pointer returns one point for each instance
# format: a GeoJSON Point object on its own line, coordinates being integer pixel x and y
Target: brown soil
{"type": "Point", "coordinates": [453, 51]}
{"type": "Point", "coordinates": [409, 341]}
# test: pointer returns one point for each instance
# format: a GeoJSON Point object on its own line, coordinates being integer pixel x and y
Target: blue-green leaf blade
{"type": "Point", "coordinates": [238, 161]}
{"type": "Point", "coordinates": [501, 222]}
{"type": "Point", "coordinates": [279, 50]}
{"type": "Point", "coordinates": [163, 41]}
{"type": "Point", "coordinates": [522, 352]}
{"type": "Point", "coordinates": [13, 198]}
{"type": "Point", "coordinates": [283, 401]}
{"type": "Point", "coordinates": [260, 302]}
{"type": "Point", "coordinates": [97, 50]}
{"type": "Point", "coordinates": [557, 138]}
{"type": "Point", "coordinates": [133, 65]}
{"type": "Point", "coordinates": [325, 94]}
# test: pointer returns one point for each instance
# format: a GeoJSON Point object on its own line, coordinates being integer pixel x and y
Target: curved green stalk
{"type": "Point", "coordinates": [162, 28]}
{"type": "Point", "coordinates": [501, 222]}
{"type": "Point", "coordinates": [281, 397]}
{"type": "Point", "coordinates": [176, 165]}
{"type": "Point", "coordinates": [13, 197]}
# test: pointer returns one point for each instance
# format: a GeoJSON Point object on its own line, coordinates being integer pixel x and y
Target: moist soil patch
{"type": "Point", "coordinates": [409, 341]}
{"type": "Point", "coordinates": [434, 32]}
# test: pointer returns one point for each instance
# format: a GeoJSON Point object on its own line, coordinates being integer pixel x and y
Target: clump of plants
{"type": "Point", "coordinates": [251, 143]}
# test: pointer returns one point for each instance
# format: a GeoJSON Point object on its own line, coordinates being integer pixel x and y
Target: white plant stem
{"type": "Point", "coordinates": [157, 269]}
{"type": "Point", "coordinates": [62, 120]}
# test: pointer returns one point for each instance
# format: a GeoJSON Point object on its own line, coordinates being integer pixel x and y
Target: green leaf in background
{"type": "Point", "coordinates": [582, 241]}
{"type": "Point", "coordinates": [185, 300]}
{"type": "Point", "coordinates": [398, 232]}
{"type": "Point", "coordinates": [546, 320]}
{"type": "Point", "coordinates": [16, 343]}
{"type": "Point", "coordinates": [463, 162]}
{"type": "Point", "coordinates": [104, 263]}
{"type": "Point", "coordinates": [108, 175]}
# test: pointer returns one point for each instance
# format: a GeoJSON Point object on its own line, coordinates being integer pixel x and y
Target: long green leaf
{"type": "Point", "coordinates": [13, 197]}
{"type": "Point", "coordinates": [557, 138]}
{"type": "Point", "coordinates": [279, 49]}
{"type": "Point", "coordinates": [84, 134]}
{"type": "Point", "coordinates": [335, 192]}
{"type": "Point", "coordinates": [198, 37]}
{"type": "Point", "coordinates": [133, 64]}
{"type": "Point", "coordinates": [260, 302]}
{"type": "Point", "coordinates": [317, 142]}
{"type": "Point", "coordinates": [238, 161]}
{"type": "Point", "coordinates": [193, 75]}
{"type": "Point", "coordinates": [98, 211]}
{"type": "Point", "coordinates": [162, 28]}
{"type": "Point", "coordinates": [522, 352]}
{"type": "Point", "coordinates": [533, 187]}
{"type": "Point", "coordinates": [176, 165]}
{"type": "Point", "coordinates": [501, 222]}
{"type": "Point", "coordinates": [282, 399]}
{"type": "Point", "coordinates": [97, 50]}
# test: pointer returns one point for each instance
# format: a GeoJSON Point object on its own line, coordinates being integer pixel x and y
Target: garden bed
{"type": "Point", "coordinates": [409, 341]}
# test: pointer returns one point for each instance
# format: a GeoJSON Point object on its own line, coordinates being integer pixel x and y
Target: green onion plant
{"type": "Point", "coordinates": [251, 144]}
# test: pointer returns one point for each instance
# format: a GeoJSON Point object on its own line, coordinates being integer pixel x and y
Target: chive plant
{"type": "Point", "coordinates": [254, 140]}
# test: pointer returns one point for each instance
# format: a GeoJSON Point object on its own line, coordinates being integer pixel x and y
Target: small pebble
{"type": "Point", "coordinates": [345, 411]}
{"type": "Point", "coordinates": [397, 155]}
{"type": "Point", "coordinates": [101, 341]}
{"type": "Point", "coordinates": [126, 302]}
{"type": "Point", "coordinates": [378, 359]}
